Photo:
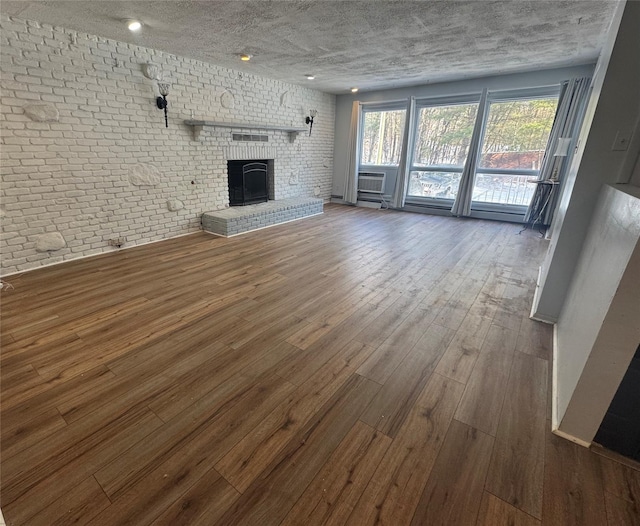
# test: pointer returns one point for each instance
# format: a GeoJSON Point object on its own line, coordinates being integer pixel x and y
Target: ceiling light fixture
{"type": "Point", "coordinates": [245, 57]}
{"type": "Point", "coordinates": [134, 25]}
{"type": "Point", "coordinates": [354, 90]}
{"type": "Point", "coordinates": [310, 77]}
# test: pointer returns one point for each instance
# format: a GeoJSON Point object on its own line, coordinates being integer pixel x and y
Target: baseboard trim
{"type": "Point", "coordinates": [543, 319]}
{"type": "Point", "coordinates": [555, 419]}
{"type": "Point", "coordinates": [571, 438]}
{"type": "Point", "coordinates": [555, 424]}
{"type": "Point", "coordinates": [534, 304]}
{"type": "Point", "coordinates": [105, 253]}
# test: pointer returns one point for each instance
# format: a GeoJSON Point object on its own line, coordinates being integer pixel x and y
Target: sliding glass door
{"type": "Point", "coordinates": [442, 137]}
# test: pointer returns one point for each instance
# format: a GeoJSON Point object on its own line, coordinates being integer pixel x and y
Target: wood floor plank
{"type": "Point", "coordinates": [482, 401]}
{"type": "Point", "coordinates": [244, 463]}
{"type": "Point", "coordinates": [573, 489]}
{"type": "Point", "coordinates": [16, 377]}
{"type": "Point", "coordinates": [516, 474]}
{"type": "Point", "coordinates": [454, 490]}
{"type": "Point", "coordinates": [203, 503]}
{"type": "Point", "coordinates": [19, 416]}
{"type": "Point", "coordinates": [389, 409]}
{"type": "Point", "coordinates": [140, 385]}
{"type": "Point", "coordinates": [488, 299]}
{"type": "Point", "coordinates": [285, 326]}
{"type": "Point", "coordinates": [39, 384]}
{"type": "Point", "coordinates": [379, 329]}
{"type": "Point", "coordinates": [460, 357]}
{"type": "Point", "coordinates": [513, 306]}
{"type": "Point", "coordinates": [534, 337]}
{"type": "Point", "coordinates": [184, 341]}
{"type": "Point", "coordinates": [316, 355]}
{"type": "Point", "coordinates": [319, 326]}
{"type": "Point", "coordinates": [142, 370]}
{"type": "Point", "coordinates": [621, 512]}
{"type": "Point", "coordinates": [621, 480]}
{"type": "Point", "coordinates": [20, 437]}
{"type": "Point", "coordinates": [78, 506]}
{"type": "Point", "coordinates": [394, 491]}
{"type": "Point", "coordinates": [392, 351]}
{"type": "Point", "coordinates": [296, 466]}
{"type": "Point", "coordinates": [220, 420]}
{"type": "Point", "coordinates": [495, 512]}
{"type": "Point", "coordinates": [334, 492]}
{"type": "Point", "coordinates": [220, 368]}
{"type": "Point", "coordinates": [155, 496]}
{"type": "Point", "coordinates": [74, 455]}
{"type": "Point", "coordinates": [455, 311]}
{"type": "Point", "coordinates": [269, 359]}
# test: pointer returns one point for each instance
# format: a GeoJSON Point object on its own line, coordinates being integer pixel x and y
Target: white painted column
{"type": "Point", "coordinates": [599, 328]}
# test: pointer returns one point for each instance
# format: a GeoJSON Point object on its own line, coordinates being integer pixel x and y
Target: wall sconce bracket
{"type": "Point", "coordinates": [161, 101]}
{"type": "Point", "coordinates": [309, 119]}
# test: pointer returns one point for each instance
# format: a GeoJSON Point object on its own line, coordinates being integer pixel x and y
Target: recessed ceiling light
{"type": "Point", "coordinates": [310, 77]}
{"type": "Point", "coordinates": [245, 57]}
{"type": "Point", "coordinates": [134, 25]}
{"type": "Point", "coordinates": [354, 90]}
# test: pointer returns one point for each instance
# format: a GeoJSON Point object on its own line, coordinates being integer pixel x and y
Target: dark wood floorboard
{"type": "Point", "coordinates": [361, 367]}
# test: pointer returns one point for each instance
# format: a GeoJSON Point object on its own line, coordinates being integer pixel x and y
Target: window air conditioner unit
{"type": "Point", "coordinates": [371, 182]}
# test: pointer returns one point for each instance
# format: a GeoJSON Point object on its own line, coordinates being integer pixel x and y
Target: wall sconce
{"type": "Point", "coordinates": [309, 120]}
{"type": "Point", "coordinates": [161, 101]}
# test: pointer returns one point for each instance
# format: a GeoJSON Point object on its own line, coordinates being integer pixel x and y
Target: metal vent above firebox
{"type": "Point", "coordinates": [249, 138]}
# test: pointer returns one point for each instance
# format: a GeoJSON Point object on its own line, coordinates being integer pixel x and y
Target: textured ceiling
{"type": "Point", "coordinates": [370, 44]}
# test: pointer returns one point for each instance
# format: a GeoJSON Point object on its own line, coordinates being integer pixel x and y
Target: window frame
{"type": "Point", "coordinates": [542, 92]}
{"type": "Point", "coordinates": [492, 96]}
{"type": "Point", "coordinates": [436, 202]}
{"type": "Point", "coordinates": [375, 107]}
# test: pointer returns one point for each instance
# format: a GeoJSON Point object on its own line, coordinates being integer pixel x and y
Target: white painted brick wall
{"type": "Point", "coordinates": [72, 176]}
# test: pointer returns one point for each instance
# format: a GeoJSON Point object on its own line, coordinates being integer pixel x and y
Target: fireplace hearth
{"type": "Point", "coordinates": [248, 182]}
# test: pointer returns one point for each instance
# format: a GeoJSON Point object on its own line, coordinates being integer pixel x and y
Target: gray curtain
{"type": "Point", "coordinates": [574, 94]}
{"type": "Point", "coordinates": [462, 204]}
{"type": "Point", "coordinates": [353, 155]}
{"type": "Point", "coordinates": [406, 157]}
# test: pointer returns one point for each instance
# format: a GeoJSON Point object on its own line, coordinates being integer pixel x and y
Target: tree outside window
{"type": "Point", "coordinates": [382, 137]}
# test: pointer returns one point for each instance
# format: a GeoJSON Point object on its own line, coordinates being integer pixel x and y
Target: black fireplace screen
{"type": "Point", "coordinates": [248, 182]}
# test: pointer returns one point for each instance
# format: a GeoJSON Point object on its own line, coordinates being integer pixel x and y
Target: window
{"type": "Point", "coordinates": [382, 133]}
{"type": "Point", "coordinates": [443, 134]}
{"type": "Point", "coordinates": [515, 137]}
{"type": "Point", "coordinates": [512, 130]}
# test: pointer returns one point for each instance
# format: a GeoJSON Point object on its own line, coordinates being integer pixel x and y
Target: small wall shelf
{"type": "Point", "coordinates": [199, 125]}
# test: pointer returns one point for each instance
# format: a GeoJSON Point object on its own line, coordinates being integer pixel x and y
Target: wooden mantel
{"type": "Point", "coordinates": [199, 125]}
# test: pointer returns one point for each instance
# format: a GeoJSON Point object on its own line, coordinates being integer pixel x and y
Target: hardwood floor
{"type": "Point", "coordinates": [362, 367]}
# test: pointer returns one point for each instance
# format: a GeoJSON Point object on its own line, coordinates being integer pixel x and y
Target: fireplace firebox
{"type": "Point", "coordinates": [248, 182]}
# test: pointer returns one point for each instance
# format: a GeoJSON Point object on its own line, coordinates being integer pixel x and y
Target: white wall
{"type": "Point", "coordinates": [72, 175]}
{"type": "Point", "coordinates": [614, 107]}
{"type": "Point", "coordinates": [344, 103]}
{"type": "Point", "coordinates": [599, 328]}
